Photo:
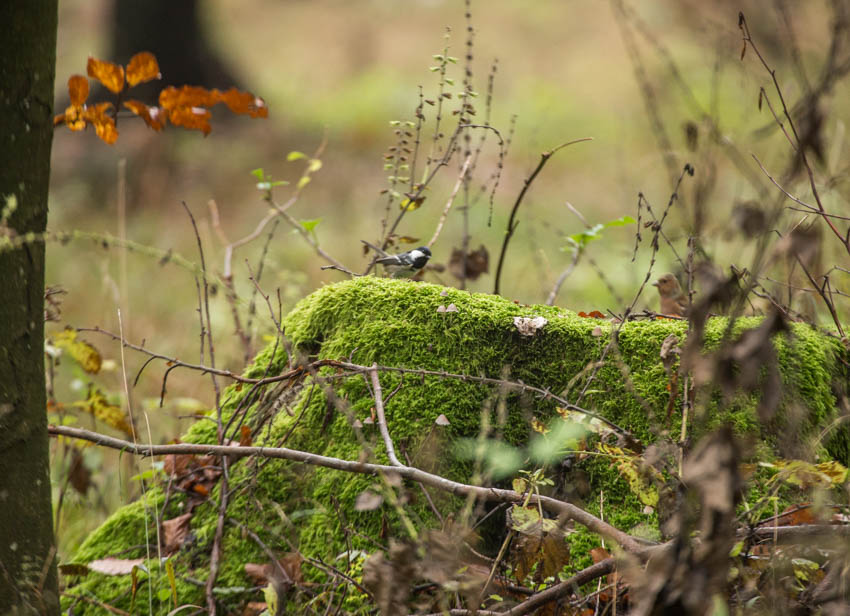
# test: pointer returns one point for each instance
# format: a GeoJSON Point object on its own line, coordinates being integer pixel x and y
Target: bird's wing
{"type": "Point", "coordinates": [389, 260]}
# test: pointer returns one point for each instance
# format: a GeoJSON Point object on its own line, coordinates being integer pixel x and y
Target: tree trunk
{"type": "Point", "coordinates": [28, 582]}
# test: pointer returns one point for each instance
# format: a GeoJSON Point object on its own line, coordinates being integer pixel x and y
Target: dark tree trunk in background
{"type": "Point", "coordinates": [27, 548]}
{"type": "Point", "coordinates": [172, 31]}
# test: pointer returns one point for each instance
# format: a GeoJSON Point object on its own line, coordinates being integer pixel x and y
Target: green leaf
{"type": "Point", "coordinates": [501, 459]}
{"type": "Point", "coordinates": [294, 155]}
{"type": "Point", "coordinates": [163, 594]}
{"type": "Point", "coordinates": [259, 173]}
{"type": "Point", "coordinates": [309, 225]}
{"type": "Point", "coordinates": [303, 181]}
{"type": "Point", "coordinates": [270, 595]}
{"type": "Point", "coordinates": [315, 165]}
{"type": "Point", "coordinates": [620, 222]}
{"type": "Point", "coordinates": [278, 183]}
{"type": "Point", "coordinates": [563, 436]}
{"type": "Point", "coordinates": [588, 235]}
{"type": "Point", "coordinates": [736, 549]}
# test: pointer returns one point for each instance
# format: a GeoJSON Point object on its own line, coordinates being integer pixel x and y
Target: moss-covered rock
{"type": "Point", "coordinates": [400, 324]}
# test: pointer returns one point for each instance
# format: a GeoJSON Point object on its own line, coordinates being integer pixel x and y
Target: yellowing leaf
{"type": "Point", "coordinates": [98, 406]}
{"type": "Point", "coordinates": [641, 477]}
{"type": "Point", "coordinates": [836, 472]}
{"type": "Point", "coordinates": [172, 580]}
{"type": "Point", "coordinates": [141, 68]}
{"type": "Point", "coordinates": [806, 474]}
{"type": "Point", "coordinates": [411, 205]}
{"type": "Point", "coordinates": [82, 352]}
{"type": "Point", "coordinates": [109, 74]}
{"type": "Point", "coordinates": [539, 426]}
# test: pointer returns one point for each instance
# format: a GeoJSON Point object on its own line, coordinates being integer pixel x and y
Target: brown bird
{"type": "Point", "coordinates": [674, 301]}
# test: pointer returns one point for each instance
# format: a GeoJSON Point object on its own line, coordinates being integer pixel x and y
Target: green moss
{"type": "Point", "coordinates": [396, 323]}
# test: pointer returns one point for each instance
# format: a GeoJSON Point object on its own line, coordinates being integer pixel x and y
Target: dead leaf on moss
{"type": "Point", "coordinates": [368, 500]}
{"type": "Point", "coordinates": [175, 531]}
{"type": "Point", "coordinates": [115, 566]}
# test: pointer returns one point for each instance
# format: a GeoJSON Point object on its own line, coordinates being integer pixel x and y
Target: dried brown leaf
{"type": "Point", "coordinates": [175, 531]}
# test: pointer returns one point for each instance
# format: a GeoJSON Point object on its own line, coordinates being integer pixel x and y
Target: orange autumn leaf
{"type": "Point", "coordinates": [72, 118]}
{"type": "Point", "coordinates": [109, 74]}
{"type": "Point", "coordinates": [193, 118]}
{"type": "Point", "coordinates": [78, 90]}
{"type": "Point", "coordinates": [593, 314]}
{"type": "Point", "coordinates": [153, 116]}
{"type": "Point", "coordinates": [104, 124]}
{"type": "Point", "coordinates": [188, 96]}
{"type": "Point", "coordinates": [141, 68]}
{"type": "Point", "coordinates": [245, 436]}
{"type": "Point", "coordinates": [186, 106]}
{"type": "Point", "coordinates": [245, 102]}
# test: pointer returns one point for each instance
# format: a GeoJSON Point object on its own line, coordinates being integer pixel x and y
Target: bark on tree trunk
{"type": "Point", "coordinates": [28, 582]}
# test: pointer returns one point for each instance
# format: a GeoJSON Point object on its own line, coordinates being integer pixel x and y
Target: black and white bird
{"type": "Point", "coordinates": [406, 264]}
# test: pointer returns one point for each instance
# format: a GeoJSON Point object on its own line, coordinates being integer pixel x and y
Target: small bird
{"type": "Point", "coordinates": [674, 301]}
{"type": "Point", "coordinates": [406, 264]}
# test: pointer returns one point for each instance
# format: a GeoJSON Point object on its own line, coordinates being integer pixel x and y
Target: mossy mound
{"type": "Point", "coordinates": [400, 324]}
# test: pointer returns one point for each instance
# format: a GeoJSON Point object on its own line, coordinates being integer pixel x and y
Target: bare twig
{"type": "Point", "coordinates": [550, 301]}
{"type": "Point", "coordinates": [512, 225]}
{"type": "Point", "coordinates": [382, 419]}
{"type": "Point", "coordinates": [460, 178]}
{"type": "Point", "coordinates": [561, 589]}
{"type": "Point", "coordinates": [796, 142]}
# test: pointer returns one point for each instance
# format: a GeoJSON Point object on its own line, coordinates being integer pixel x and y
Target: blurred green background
{"type": "Point", "coordinates": [342, 70]}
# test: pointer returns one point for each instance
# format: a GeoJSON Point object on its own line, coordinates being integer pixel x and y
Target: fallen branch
{"type": "Point", "coordinates": [570, 511]}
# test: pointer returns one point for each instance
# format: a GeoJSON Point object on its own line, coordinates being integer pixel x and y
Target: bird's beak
{"type": "Point", "coordinates": [655, 284]}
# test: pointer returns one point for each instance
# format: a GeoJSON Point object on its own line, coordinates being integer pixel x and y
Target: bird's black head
{"type": "Point", "coordinates": [425, 250]}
